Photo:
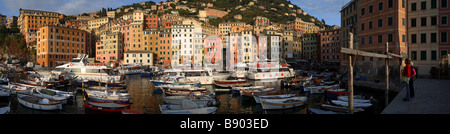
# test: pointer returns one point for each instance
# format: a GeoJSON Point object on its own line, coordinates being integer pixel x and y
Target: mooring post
{"type": "Point", "coordinates": [386, 94]}
{"type": "Point", "coordinates": [350, 76]}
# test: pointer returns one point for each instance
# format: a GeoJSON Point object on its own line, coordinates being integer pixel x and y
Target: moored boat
{"type": "Point", "coordinates": [39, 103]}
{"type": "Point", "coordinates": [280, 96]}
{"type": "Point", "coordinates": [283, 103]}
{"type": "Point", "coordinates": [251, 92]}
{"type": "Point", "coordinates": [105, 106]}
{"type": "Point", "coordinates": [187, 107]}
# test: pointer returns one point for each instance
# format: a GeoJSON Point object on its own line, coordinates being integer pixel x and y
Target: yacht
{"type": "Point", "coordinates": [92, 73]}
{"type": "Point", "coordinates": [269, 70]}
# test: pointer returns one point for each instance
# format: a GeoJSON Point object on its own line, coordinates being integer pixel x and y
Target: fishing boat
{"type": "Point", "coordinates": [251, 92]}
{"type": "Point", "coordinates": [320, 111]}
{"type": "Point", "coordinates": [233, 85]}
{"type": "Point", "coordinates": [181, 87]}
{"type": "Point", "coordinates": [202, 76]}
{"type": "Point", "coordinates": [186, 107]}
{"type": "Point", "coordinates": [105, 96]}
{"type": "Point", "coordinates": [46, 93]}
{"type": "Point", "coordinates": [269, 70]}
{"type": "Point", "coordinates": [13, 88]}
{"type": "Point", "coordinates": [230, 81]}
{"type": "Point", "coordinates": [105, 106]}
{"type": "Point", "coordinates": [283, 103]}
{"type": "Point", "coordinates": [5, 109]}
{"type": "Point", "coordinates": [94, 73]}
{"type": "Point", "coordinates": [174, 80]}
{"type": "Point", "coordinates": [39, 103]}
{"type": "Point", "coordinates": [4, 93]}
{"type": "Point", "coordinates": [356, 99]}
{"type": "Point", "coordinates": [184, 93]}
{"type": "Point", "coordinates": [129, 111]}
{"type": "Point", "coordinates": [128, 69]}
{"type": "Point", "coordinates": [280, 96]}
{"type": "Point", "coordinates": [355, 104]}
{"type": "Point", "coordinates": [320, 89]}
{"type": "Point", "coordinates": [201, 100]}
{"type": "Point", "coordinates": [340, 108]}
{"type": "Point", "coordinates": [238, 89]}
{"type": "Point", "coordinates": [336, 92]}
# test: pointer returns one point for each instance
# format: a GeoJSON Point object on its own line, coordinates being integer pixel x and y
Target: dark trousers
{"type": "Point", "coordinates": [411, 87]}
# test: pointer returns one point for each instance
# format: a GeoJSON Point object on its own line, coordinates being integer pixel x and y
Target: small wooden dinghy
{"type": "Point", "coordinates": [283, 103]}
{"type": "Point", "coordinates": [279, 96]}
{"type": "Point", "coordinates": [105, 106]}
{"type": "Point", "coordinates": [39, 103]}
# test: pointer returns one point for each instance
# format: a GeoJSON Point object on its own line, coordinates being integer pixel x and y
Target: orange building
{"type": "Point", "coordinates": [380, 22]}
{"type": "Point", "coordinates": [57, 45]}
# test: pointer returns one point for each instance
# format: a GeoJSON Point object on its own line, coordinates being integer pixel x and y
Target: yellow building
{"type": "Point", "coordinates": [57, 45]}
{"type": "Point", "coordinates": [96, 23]}
{"type": "Point", "coordinates": [32, 20]}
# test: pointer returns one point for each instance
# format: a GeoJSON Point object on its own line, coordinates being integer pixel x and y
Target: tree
{"type": "Point", "coordinates": [323, 21]}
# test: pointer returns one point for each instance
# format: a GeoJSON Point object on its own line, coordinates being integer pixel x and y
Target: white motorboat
{"type": "Point", "coordinates": [355, 104]}
{"type": "Point", "coordinates": [105, 96]}
{"type": "Point", "coordinates": [269, 70]}
{"type": "Point", "coordinates": [82, 71]}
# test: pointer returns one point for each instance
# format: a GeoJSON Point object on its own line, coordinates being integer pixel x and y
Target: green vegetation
{"type": "Point", "coordinates": [13, 43]}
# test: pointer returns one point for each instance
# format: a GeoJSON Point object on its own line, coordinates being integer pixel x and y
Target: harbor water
{"type": "Point", "coordinates": [145, 98]}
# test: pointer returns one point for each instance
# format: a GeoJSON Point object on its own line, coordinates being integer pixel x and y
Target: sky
{"type": "Point", "coordinates": [322, 9]}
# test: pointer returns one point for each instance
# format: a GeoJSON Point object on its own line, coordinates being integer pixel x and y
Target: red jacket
{"type": "Point", "coordinates": [407, 71]}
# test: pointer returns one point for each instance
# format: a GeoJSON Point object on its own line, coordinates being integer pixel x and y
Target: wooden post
{"type": "Point", "coordinates": [350, 76]}
{"type": "Point", "coordinates": [386, 94]}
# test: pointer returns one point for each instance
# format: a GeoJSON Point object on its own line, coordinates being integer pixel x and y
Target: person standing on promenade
{"type": "Point", "coordinates": [406, 75]}
{"type": "Point", "coordinates": [411, 80]}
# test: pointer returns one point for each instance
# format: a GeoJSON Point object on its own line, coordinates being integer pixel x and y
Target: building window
{"type": "Point", "coordinates": [423, 21]}
{"type": "Point", "coordinates": [413, 38]}
{"type": "Point", "coordinates": [443, 52]}
{"type": "Point", "coordinates": [390, 3]}
{"type": "Point", "coordinates": [370, 25]}
{"type": "Point", "coordinates": [433, 20]}
{"type": "Point", "coordinates": [403, 21]}
{"type": "Point", "coordinates": [413, 7]}
{"type": "Point", "coordinates": [403, 3]}
{"type": "Point", "coordinates": [362, 26]}
{"type": "Point", "coordinates": [423, 5]}
{"type": "Point", "coordinates": [363, 11]}
{"type": "Point", "coordinates": [433, 55]}
{"type": "Point", "coordinates": [403, 38]}
{"type": "Point", "coordinates": [443, 20]}
{"type": "Point", "coordinates": [433, 37]}
{"type": "Point", "coordinates": [371, 9]}
{"type": "Point", "coordinates": [423, 55]}
{"type": "Point", "coordinates": [443, 3]}
{"type": "Point", "coordinates": [413, 22]}
{"type": "Point", "coordinates": [423, 38]}
{"type": "Point", "coordinates": [390, 38]}
{"type": "Point", "coordinates": [390, 21]}
{"type": "Point", "coordinates": [443, 37]}
{"type": "Point", "coordinates": [380, 39]}
{"type": "Point", "coordinates": [433, 4]}
{"type": "Point", "coordinates": [414, 55]}
{"type": "Point", "coordinates": [380, 6]}
{"type": "Point", "coordinates": [380, 22]}
{"type": "Point", "coordinates": [370, 40]}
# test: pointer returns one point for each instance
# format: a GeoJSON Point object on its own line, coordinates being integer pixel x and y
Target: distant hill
{"type": "Point", "coordinates": [275, 10]}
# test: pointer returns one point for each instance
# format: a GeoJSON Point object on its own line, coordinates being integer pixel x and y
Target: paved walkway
{"type": "Point", "coordinates": [432, 97]}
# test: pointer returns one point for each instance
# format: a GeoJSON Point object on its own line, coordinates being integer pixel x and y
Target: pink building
{"type": "Point", "coordinates": [444, 27]}
{"type": "Point", "coordinates": [213, 49]}
{"type": "Point", "coordinates": [110, 47]}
